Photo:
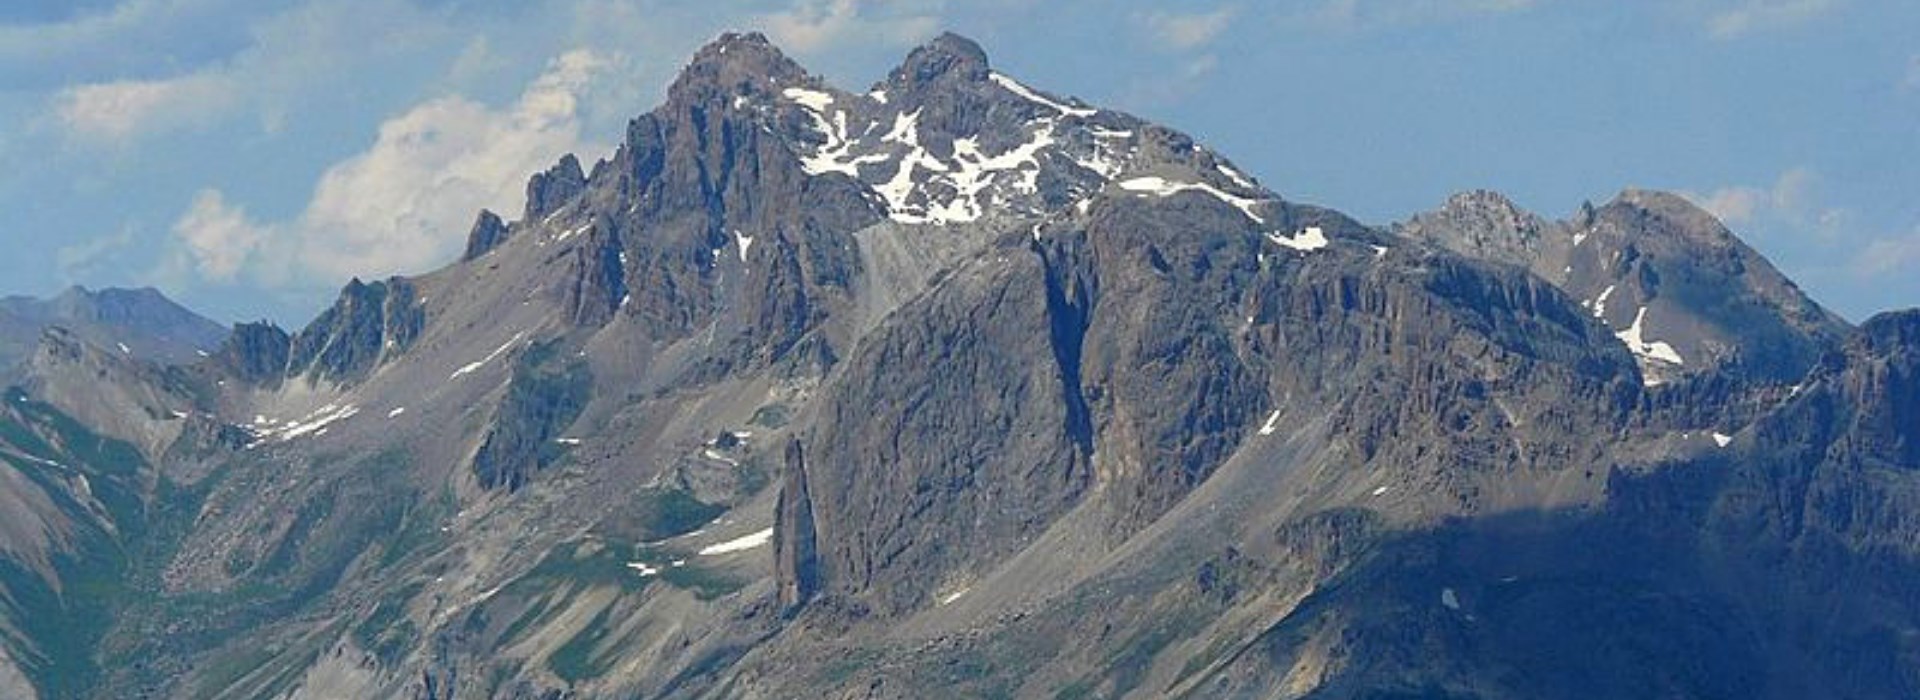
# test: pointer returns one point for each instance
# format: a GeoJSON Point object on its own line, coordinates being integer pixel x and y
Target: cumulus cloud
{"type": "Point", "coordinates": [1183, 32]}
{"type": "Point", "coordinates": [404, 203]}
{"type": "Point", "coordinates": [810, 26]}
{"type": "Point", "coordinates": [1752, 15]}
{"type": "Point", "coordinates": [116, 112]}
{"type": "Point", "coordinates": [218, 236]}
{"type": "Point", "coordinates": [1789, 201]}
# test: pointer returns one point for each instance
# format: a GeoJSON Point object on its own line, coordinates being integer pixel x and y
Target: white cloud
{"type": "Point", "coordinates": [1893, 254]}
{"type": "Point", "coordinates": [296, 55]}
{"type": "Point", "coordinates": [116, 112]}
{"type": "Point", "coordinates": [810, 26]}
{"type": "Point", "coordinates": [1753, 15]}
{"type": "Point", "coordinates": [403, 204]}
{"type": "Point", "coordinates": [219, 237]}
{"type": "Point", "coordinates": [1182, 32]}
{"type": "Point", "coordinates": [85, 259]}
{"type": "Point", "coordinates": [1790, 201]}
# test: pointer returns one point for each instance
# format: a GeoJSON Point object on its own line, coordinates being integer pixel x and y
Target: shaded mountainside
{"type": "Point", "coordinates": [958, 388]}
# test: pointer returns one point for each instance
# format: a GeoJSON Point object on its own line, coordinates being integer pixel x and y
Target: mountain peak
{"type": "Point", "coordinates": [734, 61]}
{"type": "Point", "coordinates": [946, 55]}
{"type": "Point", "coordinates": [1482, 200]}
{"type": "Point", "coordinates": [1680, 211]}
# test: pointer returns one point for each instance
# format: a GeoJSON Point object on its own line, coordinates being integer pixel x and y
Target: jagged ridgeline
{"type": "Point", "coordinates": [955, 387]}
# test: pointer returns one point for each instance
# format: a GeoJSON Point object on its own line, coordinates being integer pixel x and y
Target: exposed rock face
{"type": "Point", "coordinates": [488, 233]}
{"type": "Point", "coordinates": [1677, 288]}
{"type": "Point", "coordinates": [256, 353]}
{"type": "Point", "coordinates": [556, 187]}
{"type": "Point", "coordinates": [1217, 332]}
{"type": "Point", "coordinates": [369, 322]}
{"type": "Point", "coordinates": [596, 278]}
{"type": "Point", "coordinates": [701, 180]}
{"type": "Point", "coordinates": [546, 394]}
{"type": "Point", "coordinates": [795, 553]}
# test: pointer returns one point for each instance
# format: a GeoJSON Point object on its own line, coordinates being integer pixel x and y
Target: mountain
{"type": "Point", "coordinates": [959, 388]}
{"type": "Point", "coordinates": [143, 321]}
{"type": "Point", "coordinates": [1678, 288]}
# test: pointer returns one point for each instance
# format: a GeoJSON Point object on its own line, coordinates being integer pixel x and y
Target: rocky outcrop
{"type": "Point", "coordinates": [595, 278]}
{"type": "Point", "coordinates": [369, 322]}
{"type": "Point", "coordinates": [796, 567]}
{"type": "Point", "coordinates": [556, 187]}
{"type": "Point", "coordinates": [256, 353]}
{"type": "Point", "coordinates": [547, 392]}
{"type": "Point", "coordinates": [487, 234]}
{"type": "Point", "coordinates": [714, 193]}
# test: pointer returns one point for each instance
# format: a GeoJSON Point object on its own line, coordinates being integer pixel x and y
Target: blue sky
{"type": "Point", "coordinates": [248, 156]}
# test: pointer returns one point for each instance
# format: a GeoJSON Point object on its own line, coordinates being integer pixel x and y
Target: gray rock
{"type": "Point", "coordinates": [556, 187]}
{"type": "Point", "coordinates": [488, 233]}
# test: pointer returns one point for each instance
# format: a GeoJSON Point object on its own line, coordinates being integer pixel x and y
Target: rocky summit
{"type": "Point", "coordinates": [958, 387]}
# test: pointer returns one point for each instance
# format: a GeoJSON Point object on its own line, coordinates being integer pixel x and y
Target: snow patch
{"type": "Point", "coordinates": [1307, 239]}
{"type": "Point", "coordinates": [1235, 176]}
{"type": "Point", "coordinates": [950, 597]}
{"type": "Point", "coordinates": [1380, 491]}
{"type": "Point", "coordinates": [1448, 599]}
{"type": "Point", "coordinates": [970, 174]}
{"type": "Point", "coordinates": [1600, 303]}
{"type": "Point", "coordinates": [123, 349]}
{"type": "Point", "coordinates": [395, 413]}
{"type": "Point", "coordinates": [811, 99]}
{"type": "Point", "coordinates": [1645, 349]}
{"type": "Point", "coordinates": [758, 539]}
{"type": "Point", "coordinates": [833, 156]}
{"type": "Point", "coordinates": [1721, 439]}
{"type": "Point", "coordinates": [472, 367]}
{"type": "Point", "coordinates": [1162, 187]}
{"type": "Point", "coordinates": [745, 242]}
{"type": "Point", "coordinates": [1273, 421]}
{"type": "Point", "coordinates": [642, 567]}
{"type": "Point", "coordinates": [314, 423]}
{"type": "Point", "coordinates": [1029, 95]}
